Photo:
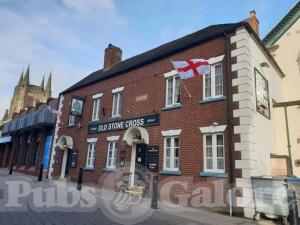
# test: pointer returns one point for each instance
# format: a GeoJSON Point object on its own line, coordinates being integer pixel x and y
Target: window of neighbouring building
{"type": "Point", "coordinates": [90, 160]}
{"type": "Point", "coordinates": [112, 155]}
{"type": "Point", "coordinates": [117, 102]}
{"type": "Point", "coordinates": [96, 107]}
{"type": "Point", "coordinates": [213, 82]}
{"type": "Point", "coordinates": [214, 160]}
{"type": "Point", "coordinates": [172, 90]}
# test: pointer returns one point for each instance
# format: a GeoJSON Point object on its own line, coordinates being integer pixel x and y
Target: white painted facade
{"type": "Point", "coordinates": [288, 57]}
{"type": "Point", "coordinates": [257, 133]}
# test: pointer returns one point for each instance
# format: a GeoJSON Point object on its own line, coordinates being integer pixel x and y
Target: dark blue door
{"type": "Point", "coordinates": [47, 148]}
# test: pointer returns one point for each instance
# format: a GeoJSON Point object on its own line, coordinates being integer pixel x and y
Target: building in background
{"type": "Point", "coordinates": [26, 139]}
{"type": "Point", "coordinates": [283, 41]}
{"type": "Point", "coordinates": [136, 118]}
{"type": "Point", "coordinates": [27, 95]}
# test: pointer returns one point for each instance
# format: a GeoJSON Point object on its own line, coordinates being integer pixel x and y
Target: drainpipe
{"type": "Point", "coordinates": [229, 108]}
{"type": "Point", "coordinates": [289, 141]}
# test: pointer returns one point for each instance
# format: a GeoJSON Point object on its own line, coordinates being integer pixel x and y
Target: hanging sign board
{"type": "Point", "coordinates": [76, 106]}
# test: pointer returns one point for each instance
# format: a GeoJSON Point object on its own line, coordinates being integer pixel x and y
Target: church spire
{"type": "Point", "coordinates": [43, 82]}
{"type": "Point", "coordinates": [26, 77]}
{"type": "Point", "coordinates": [48, 85]}
{"type": "Point", "coordinates": [21, 79]}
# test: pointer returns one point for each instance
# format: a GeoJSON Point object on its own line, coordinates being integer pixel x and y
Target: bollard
{"type": "Point", "coordinates": [40, 178]}
{"type": "Point", "coordinates": [79, 181]}
{"type": "Point", "coordinates": [293, 209]}
{"type": "Point", "coordinates": [11, 169]}
{"type": "Point", "coordinates": [154, 193]}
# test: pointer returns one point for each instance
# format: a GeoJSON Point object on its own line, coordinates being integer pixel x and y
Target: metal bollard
{"type": "Point", "coordinates": [79, 181]}
{"type": "Point", "coordinates": [40, 178]}
{"type": "Point", "coordinates": [154, 193]}
{"type": "Point", "coordinates": [293, 209]}
{"type": "Point", "coordinates": [11, 169]}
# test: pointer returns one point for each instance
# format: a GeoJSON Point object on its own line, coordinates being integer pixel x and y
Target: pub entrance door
{"type": "Point", "coordinates": [140, 164]}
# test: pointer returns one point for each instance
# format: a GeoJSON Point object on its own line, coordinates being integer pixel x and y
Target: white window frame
{"type": "Point", "coordinates": [96, 109]}
{"type": "Point", "coordinates": [113, 156]}
{"type": "Point", "coordinates": [214, 153]}
{"type": "Point", "coordinates": [173, 77]}
{"type": "Point", "coordinates": [213, 82]}
{"type": "Point", "coordinates": [119, 107]}
{"type": "Point", "coordinates": [172, 154]}
{"type": "Point", "coordinates": [71, 120]}
{"type": "Point", "coordinates": [91, 155]}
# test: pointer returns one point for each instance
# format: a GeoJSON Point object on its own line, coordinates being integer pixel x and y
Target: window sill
{"type": "Point", "coordinates": [88, 169]}
{"type": "Point", "coordinates": [116, 118]}
{"type": "Point", "coordinates": [108, 169]}
{"type": "Point", "coordinates": [212, 100]}
{"type": "Point", "coordinates": [212, 174]}
{"type": "Point", "coordinates": [169, 172]}
{"type": "Point", "coordinates": [94, 121]}
{"type": "Point", "coordinates": [70, 126]}
{"type": "Point", "coordinates": [170, 107]}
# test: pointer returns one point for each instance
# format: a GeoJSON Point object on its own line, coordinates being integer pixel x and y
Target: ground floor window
{"type": "Point", "coordinates": [91, 155]}
{"type": "Point", "coordinates": [214, 160]}
{"type": "Point", "coordinates": [171, 153]}
{"type": "Point", "coordinates": [111, 155]}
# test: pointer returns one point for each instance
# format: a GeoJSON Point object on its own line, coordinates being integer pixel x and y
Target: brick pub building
{"type": "Point", "coordinates": [27, 139]}
{"type": "Point", "coordinates": [213, 131]}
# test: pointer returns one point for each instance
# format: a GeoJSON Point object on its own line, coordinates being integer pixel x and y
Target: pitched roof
{"type": "Point", "coordinates": [164, 50]}
{"type": "Point", "coordinates": [288, 20]}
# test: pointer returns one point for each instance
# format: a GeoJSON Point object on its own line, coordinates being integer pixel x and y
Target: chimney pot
{"type": "Point", "coordinates": [253, 21]}
{"type": "Point", "coordinates": [112, 55]}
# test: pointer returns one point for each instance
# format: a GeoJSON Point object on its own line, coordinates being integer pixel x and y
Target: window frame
{"type": "Point", "coordinates": [92, 158]}
{"type": "Point", "coordinates": [173, 90]}
{"type": "Point", "coordinates": [172, 153]}
{"type": "Point", "coordinates": [96, 109]}
{"type": "Point", "coordinates": [214, 153]}
{"type": "Point", "coordinates": [213, 82]}
{"type": "Point", "coordinates": [119, 102]}
{"type": "Point", "coordinates": [72, 121]}
{"type": "Point", "coordinates": [113, 156]}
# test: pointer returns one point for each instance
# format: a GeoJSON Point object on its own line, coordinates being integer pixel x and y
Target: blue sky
{"type": "Point", "coordinates": [69, 36]}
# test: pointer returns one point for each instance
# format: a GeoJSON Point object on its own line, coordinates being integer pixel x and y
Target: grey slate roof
{"type": "Point", "coordinates": [163, 51]}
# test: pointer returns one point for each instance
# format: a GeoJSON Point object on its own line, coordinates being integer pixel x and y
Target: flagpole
{"type": "Point", "coordinates": [185, 87]}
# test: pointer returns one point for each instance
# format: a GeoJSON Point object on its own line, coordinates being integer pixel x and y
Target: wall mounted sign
{"type": "Point", "coordinates": [143, 121]}
{"type": "Point", "coordinates": [153, 158]}
{"type": "Point", "coordinates": [262, 94]}
{"type": "Point", "coordinates": [76, 106]}
{"type": "Point", "coordinates": [74, 157]}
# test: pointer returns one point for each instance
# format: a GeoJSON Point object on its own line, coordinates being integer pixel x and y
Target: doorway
{"type": "Point", "coordinates": [68, 162]}
{"type": "Point", "coordinates": [140, 164]}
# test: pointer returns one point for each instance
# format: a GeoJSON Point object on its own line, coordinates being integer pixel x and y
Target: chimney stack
{"type": "Point", "coordinates": [253, 22]}
{"type": "Point", "coordinates": [112, 56]}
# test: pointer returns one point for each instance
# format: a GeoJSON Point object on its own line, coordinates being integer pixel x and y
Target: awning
{"type": "Point", "coordinates": [4, 140]}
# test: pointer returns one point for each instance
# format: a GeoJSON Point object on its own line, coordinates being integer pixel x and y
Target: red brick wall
{"type": "Point", "coordinates": [149, 80]}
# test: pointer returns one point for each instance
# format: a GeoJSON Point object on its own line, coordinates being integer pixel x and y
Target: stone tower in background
{"type": "Point", "coordinates": [27, 95]}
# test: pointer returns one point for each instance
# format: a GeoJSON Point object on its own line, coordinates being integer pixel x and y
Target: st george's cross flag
{"type": "Point", "coordinates": [190, 68]}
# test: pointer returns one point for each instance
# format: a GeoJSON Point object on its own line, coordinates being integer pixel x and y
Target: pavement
{"type": "Point", "coordinates": [24, 201]}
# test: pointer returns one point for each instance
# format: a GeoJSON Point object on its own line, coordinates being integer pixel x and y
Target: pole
{"type": "Point", "coordinates": [288, 140]}
{"type": "Point", "coordinates": [79, 181]}
{"type": "Point", "coordinates": [40, 178]}
{"type": "Point", "coordinates": [293, 209]}
{"type": "Point", "coordinates": [186, 89]}
{"type": "Point", "coordinates": [154, 193]}
{"type": "Point", "coordinates": [11, 169]}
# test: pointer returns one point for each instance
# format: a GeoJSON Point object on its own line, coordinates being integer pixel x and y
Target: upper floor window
{"type": "Point", "coordinates": [172, 90]}
{"type": "Point", "coordinates": [112, 155]}
{"type": "Point", "coordinates": [96, 107]}
{"type": "Point", "coordinates": [117, 102]}
{"type": "Point", "coordinates": [213, 82]}
{"type": "Point", "coordinates": [71, 120]}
